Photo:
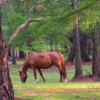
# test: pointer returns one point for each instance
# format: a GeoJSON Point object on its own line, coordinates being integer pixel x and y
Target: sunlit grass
{"type": "Point", "coordinates": [52, 89]}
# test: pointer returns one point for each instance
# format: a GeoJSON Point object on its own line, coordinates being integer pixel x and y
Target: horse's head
{"type": "Point", "coordinates": [23, 76]}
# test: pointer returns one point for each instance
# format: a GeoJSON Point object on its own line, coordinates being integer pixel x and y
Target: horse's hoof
{"type": "Point", "coordinates": [65, 80]}
{"type": "Point", "coordinates": [34, 82]}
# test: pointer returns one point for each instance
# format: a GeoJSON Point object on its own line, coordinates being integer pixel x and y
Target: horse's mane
{"type": "Point", "coordinates": [25, 66]}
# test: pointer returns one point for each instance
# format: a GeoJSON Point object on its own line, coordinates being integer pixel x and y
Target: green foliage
{"type": "Point", "coordinates": [20, 40]}
{"type": "Point", "coordinates": [39, 46]}
{"type": "Point", "coordinates": [6, 38]}
{"type": "Point", "coordinates": [18, 13]}
{"type": "Point", "coordinates": [12, 20]}
{"type": "Point", "coordinates": [59, 21]}
{"type": "Point", "coordinates": [91, 16]}
{"type": "Point", "coordinates": [86, 12]}
{"type": "Point", "coordinates": [5, 28]}
{"type": "Point", "coordinates": [25, 49]}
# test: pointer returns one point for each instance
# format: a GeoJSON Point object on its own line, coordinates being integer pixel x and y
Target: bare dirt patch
{"type": "Point", "coordinates": [21, 99]}
{"type": "Point", "coordinates": [89, 78]}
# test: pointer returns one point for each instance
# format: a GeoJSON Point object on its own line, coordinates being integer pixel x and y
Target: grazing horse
{"type": "Point", "coordinates": [43, 60]}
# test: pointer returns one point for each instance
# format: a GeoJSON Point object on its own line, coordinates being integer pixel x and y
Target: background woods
{"type": "Point", "coordinates": [67, 26]}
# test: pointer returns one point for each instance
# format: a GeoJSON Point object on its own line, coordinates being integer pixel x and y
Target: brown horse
{"type": "Point", "coordinates": [43, 60]}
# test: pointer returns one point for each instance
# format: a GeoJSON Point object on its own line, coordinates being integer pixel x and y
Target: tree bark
{"type": "Point", "coordinates": [13, 57]}
{"type": "Point", "coordinates": [21, 55]}
{"type": "Point", "coordinates": [84, 47]}
{"type": "Point", "coordinates": [95, 59]}
{"type": "Point", "coordinates": [78, 65]}
{"type": "Point", "coordinates": [9, 53]}
{"type": "Point", "coordinates": [71, 55]}
{"type": "Point", "coordinates": [6, 87]}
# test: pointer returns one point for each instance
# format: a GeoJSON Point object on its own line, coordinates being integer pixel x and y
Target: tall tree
{"type": "Point", "coordinates": [95, 56]}
{"type": "Point", "coordinates": [6, 87]}
{"type": "Point", "coordinates": [78, 65]}
{"type": "Point", "coordinates": [13, 57]}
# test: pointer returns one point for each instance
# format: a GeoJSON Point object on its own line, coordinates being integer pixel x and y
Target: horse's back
{"type": "Point", "coordinates": [40, 59]}
{"type": "Point", "coordinates": [46, 59]}
{"type": "Point", "coordinates": [49, 54]}
{"type": "Point", "coordinates": [57, 58]}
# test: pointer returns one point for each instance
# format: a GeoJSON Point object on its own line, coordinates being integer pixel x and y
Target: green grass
{"type": "Point", "coordinates": [52, 89]}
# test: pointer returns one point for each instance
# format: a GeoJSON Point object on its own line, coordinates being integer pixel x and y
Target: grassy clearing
{"type": "Point", "coordinates": [52, 89]}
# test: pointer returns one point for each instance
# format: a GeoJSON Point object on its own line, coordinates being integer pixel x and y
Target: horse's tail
{"type": "Point", "coordinates": [63, 66]}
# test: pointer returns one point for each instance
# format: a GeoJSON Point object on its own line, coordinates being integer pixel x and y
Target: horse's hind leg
{"type": "Point", "coordinates": [59, 66]}
{"type": "Point", "coordinates": [39, 70]}
{"type": "Point", "coordinates": [64, 72]}
{"type": "Point", "coordinates": [60, 71]}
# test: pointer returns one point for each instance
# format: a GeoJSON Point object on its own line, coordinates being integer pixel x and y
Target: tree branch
{"type": "Point", "coordinates": [30, 10]}
{"type": "Point", "coordinates": [21, 27]}
{"type": "Point", "coordinates": [74, 12]}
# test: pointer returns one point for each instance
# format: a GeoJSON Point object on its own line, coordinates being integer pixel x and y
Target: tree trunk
{"type": "Point", "coordinates": [13, 57]}
{"type": "Point", "coordinates": [6, 87]}
{"type": "Point", "coordinates": [71, 55]}
{"type": "Point", "coordinates": [95, 59]}
{"type": "Point", "coordinates": [90, 47]}
{"type": "Point", "coordinates": [78, 65]}
{"type": "Point", "coordinates": [21, 55]}
{"type": "Point", "coordinates": [9, 53]}
{"type": "Point", "coordinates": [84, 41]}
{"type": "Point", "coordinates": [84, 46]}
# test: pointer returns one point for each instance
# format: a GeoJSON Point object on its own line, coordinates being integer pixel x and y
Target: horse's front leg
{"type": "Point", "coordinates": [60, 76]}
{"type": "Point", "coordinates": [40, 72]}
{"type": "Point", "coordinates": [35, 75]}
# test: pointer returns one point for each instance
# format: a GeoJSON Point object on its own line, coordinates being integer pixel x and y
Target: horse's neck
{"type": "Point", "coordinates": [24, 67]}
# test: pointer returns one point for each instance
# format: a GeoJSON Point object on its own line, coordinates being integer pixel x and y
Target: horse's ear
{"type": "Point", "coordinates": [19, 71]}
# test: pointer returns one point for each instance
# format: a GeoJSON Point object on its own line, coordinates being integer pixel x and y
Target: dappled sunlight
{"type": "Point", "coordinates": [29, 92]}
{"type": "Point", "coordinates": [78, 91]}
